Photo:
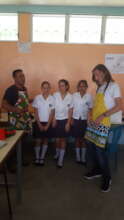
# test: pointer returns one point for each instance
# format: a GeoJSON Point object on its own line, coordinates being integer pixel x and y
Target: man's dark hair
{"type": "Point", "coordinates": [15, 72]}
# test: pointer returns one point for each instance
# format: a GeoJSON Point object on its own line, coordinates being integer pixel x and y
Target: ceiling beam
{"type": "Point", "coordinates": [50, 9]}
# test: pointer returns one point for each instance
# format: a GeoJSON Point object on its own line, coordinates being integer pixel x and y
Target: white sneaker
{"type": "Point", "coordinates": [60, 165]}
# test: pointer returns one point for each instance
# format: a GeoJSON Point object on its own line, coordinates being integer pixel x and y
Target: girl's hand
{"type": "Point", "coordinates": [72, 121]}
{"type": "Point", "coordinates": [54, 123]}
{"type": "Point", "coordinates": [46, 127]}
{"type": "Point", "coordinates": [67, 127]}
{"type": "Point", "coordinates": [89, 117]}
{"type": "Point", "coordinates": [41, 127]}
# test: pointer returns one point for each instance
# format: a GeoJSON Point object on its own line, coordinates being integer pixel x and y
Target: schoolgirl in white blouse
{"type": "Point", "coordinates": [44, 112]}
{"type": "Point", "coordinates": [62, 119]}
{"type": "Point", "coordinates": [82, 104]}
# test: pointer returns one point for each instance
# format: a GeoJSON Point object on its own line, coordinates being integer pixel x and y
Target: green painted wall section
{"type": "Point", "coordinates": [45, 9]}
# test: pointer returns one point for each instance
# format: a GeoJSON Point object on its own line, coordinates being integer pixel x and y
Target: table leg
{"type": "Point", "coordinates": [7, 193]}
{"type": "Point", "coordinates": [19, 172]}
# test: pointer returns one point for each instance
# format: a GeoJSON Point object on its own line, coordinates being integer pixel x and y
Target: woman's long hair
{"type": "Point", "coordinates": [107, 75]}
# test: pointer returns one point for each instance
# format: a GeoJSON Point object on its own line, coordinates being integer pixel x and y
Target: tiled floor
{"type": "Point", "coordinates": [50, 193]}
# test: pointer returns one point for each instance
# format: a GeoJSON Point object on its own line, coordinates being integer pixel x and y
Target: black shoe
{"type": "Point", "coordinates": [106, 185]}
{"type": "Point", "coordinates": [78, 161]}
{"type": "Point", "coordinates": [92, 175]}
{"type": "Point", "coordinates": [83, 163]}
{"type": "Point", "coordinates": [41, 162]}
{"type": "Point", "coordinates": [59, 166]}
{"type": "Point", "coordinates": [36, 162]}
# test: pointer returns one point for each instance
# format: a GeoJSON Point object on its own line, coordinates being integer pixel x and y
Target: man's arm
{"type": "Point", "coordinates": [9, 100]}
{"type": "Point", "coordinates": [10, 108]}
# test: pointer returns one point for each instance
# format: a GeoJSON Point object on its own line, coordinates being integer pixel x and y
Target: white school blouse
{"type": "Point", "coordinates": [62, 106]}
{"type": "Point", "coordinates": [44, 106]}
{"type": "Point", "coordinates": [112, 92]}
{"type": "Point", "coordinates": [81, 105]}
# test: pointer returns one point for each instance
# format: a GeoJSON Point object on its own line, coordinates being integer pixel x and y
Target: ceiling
{"type": "Point", "coordinates": [64, 2]}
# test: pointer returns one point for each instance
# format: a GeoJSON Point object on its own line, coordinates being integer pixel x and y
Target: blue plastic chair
{"type": "Point", "coordinates": [112, 148]}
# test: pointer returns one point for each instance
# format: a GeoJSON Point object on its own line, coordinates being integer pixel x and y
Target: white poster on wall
{"type": "Point", "coordinates": [115, 63]}
{"type": "Point", "coordinates": [24, 47]}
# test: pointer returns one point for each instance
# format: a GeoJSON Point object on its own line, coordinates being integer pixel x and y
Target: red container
{"type": "Point", "coordinates": [2, 134]}
{"type": "Point", "coordinates": [10, 133]}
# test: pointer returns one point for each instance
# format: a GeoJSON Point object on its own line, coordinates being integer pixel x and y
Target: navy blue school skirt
{"type": "Point", "coordinates": [59, 131]}
{"type": "Point", "coordinates": [78, 128]}
{"type": "Point", "coordinates": [37, 133]}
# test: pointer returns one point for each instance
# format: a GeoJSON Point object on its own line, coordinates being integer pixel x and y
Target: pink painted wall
{"type": "Point", "coordinates": [52, 62]}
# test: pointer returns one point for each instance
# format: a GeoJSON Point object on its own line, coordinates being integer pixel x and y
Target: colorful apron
{"type": "Point", "coordinates": [98, 134]}
{"type": "Point", "coordinates": [21, 121]}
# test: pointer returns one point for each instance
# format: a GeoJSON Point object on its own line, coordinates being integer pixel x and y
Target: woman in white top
{"type": "Point", "coordinates": [62, 120]}
{"type": "Point", "coordinates": [44, 112]}
{"type": "Point", "coordinates": [106, 111]}
{"type": "Point", "coordinates": [82, 104]}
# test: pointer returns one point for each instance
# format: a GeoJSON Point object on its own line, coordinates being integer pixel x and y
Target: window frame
{"type": "Point", "coordinates": [118, 44]}
{"type": "Point", "coordinates": [44, 42]}
{"type": "Point", "coordinates": [67, 25]}
{"type": "Point", "coordinates": [10, 14]}
{"type": "Point", "coordinates": [89, 43]}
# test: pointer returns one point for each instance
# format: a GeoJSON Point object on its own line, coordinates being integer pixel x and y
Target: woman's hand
{"type": "Point", "coordinates": [99, 119]}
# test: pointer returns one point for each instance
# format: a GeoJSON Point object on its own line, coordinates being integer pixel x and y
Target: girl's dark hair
{"type": "Point", "coordinates": [45, 82]}
{"type": "Point", "coordinates": [82, 81]}
{"type": "Point", "coordinates": [65, 82]}
{"type": "Point", "coordinates": [107, 75]}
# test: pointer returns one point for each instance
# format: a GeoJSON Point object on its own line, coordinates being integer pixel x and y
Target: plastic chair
{"type": "Point", "coordinates": [112, 148]}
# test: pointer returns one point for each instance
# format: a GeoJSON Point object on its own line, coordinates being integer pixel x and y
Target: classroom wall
{"type": "Point", "coordinates": [52, 61]}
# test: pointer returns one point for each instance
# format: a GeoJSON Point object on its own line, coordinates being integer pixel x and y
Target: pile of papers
{"type": "Point", "coordinates": [2, 143]}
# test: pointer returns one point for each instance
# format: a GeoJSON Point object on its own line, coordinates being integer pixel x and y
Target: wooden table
{"type": "Point", "coordinates": [12, 143]}
{"type": "Point", "coordinates": [3, 116]}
